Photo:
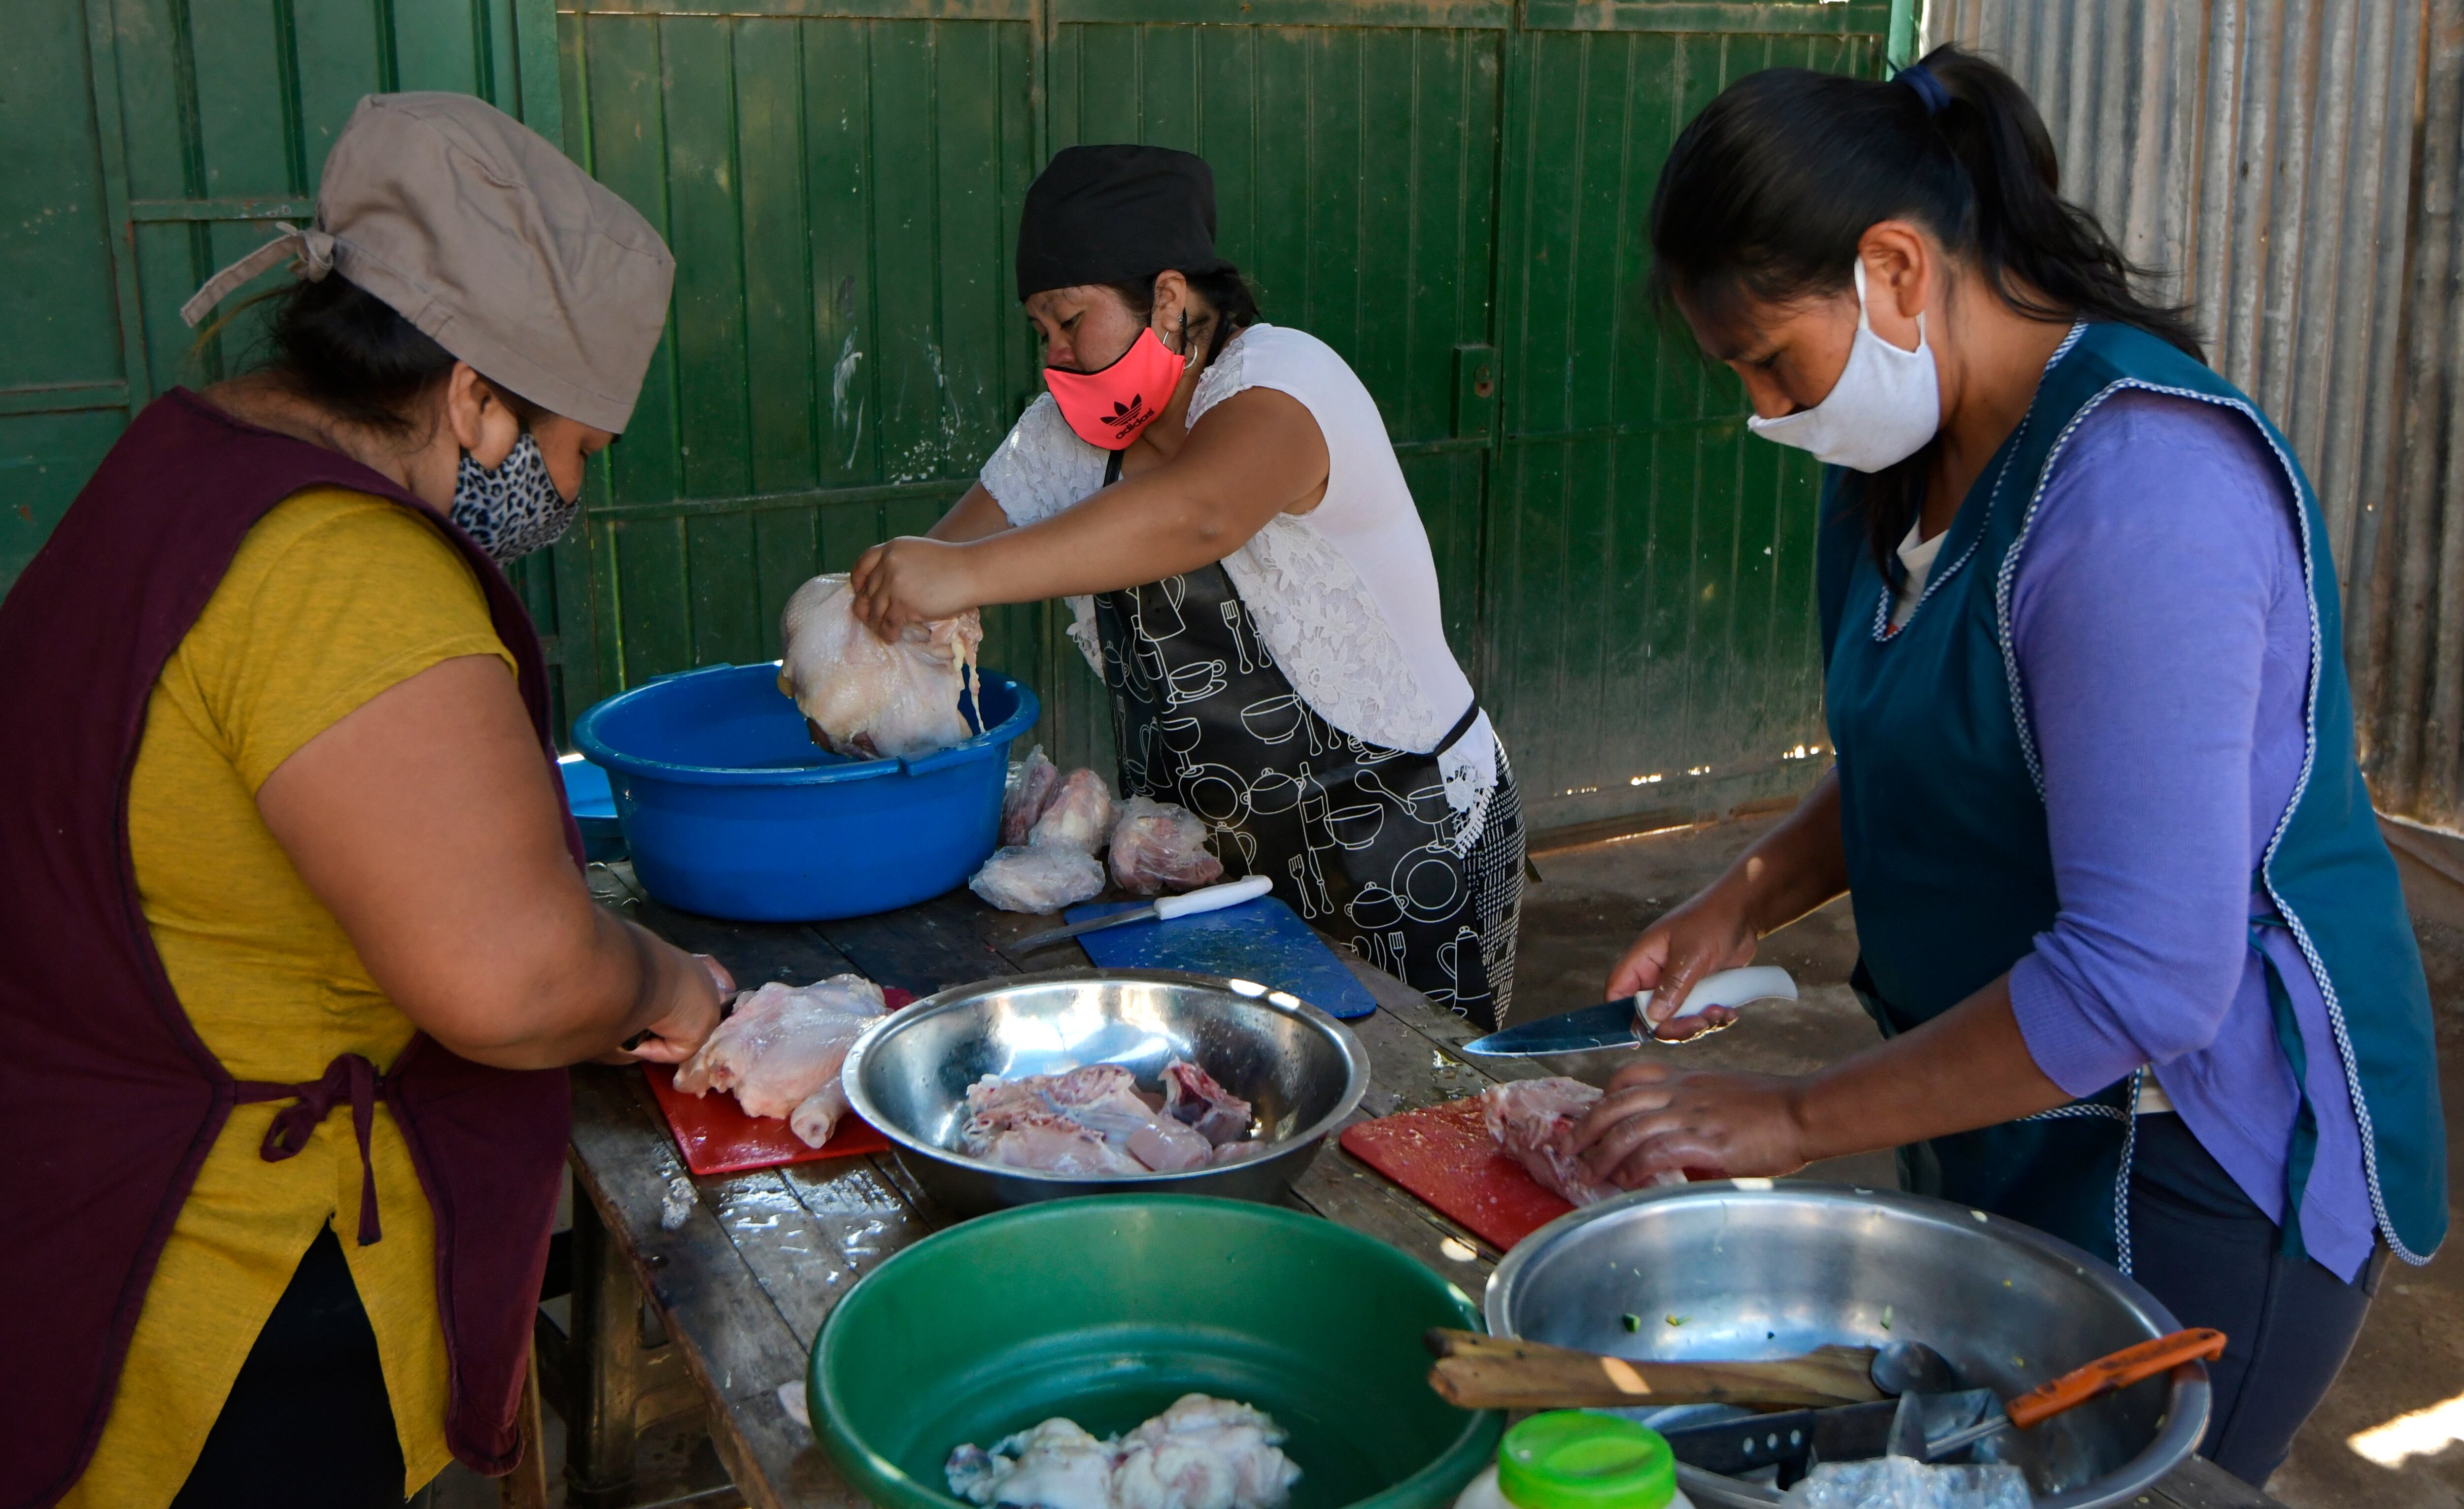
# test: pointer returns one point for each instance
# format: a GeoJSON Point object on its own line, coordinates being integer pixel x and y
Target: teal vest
{"type": "Point", "coordinates": [1943, 816]}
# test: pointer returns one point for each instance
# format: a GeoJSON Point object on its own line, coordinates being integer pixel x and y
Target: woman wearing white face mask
{"type": "Point", "coordinates": [298, 943]}
{"type": "Point", "coordinates": [2124, 914]}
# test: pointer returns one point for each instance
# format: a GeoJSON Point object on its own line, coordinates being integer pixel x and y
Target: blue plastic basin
{"type": "Point", "coordinates": [731, 811]}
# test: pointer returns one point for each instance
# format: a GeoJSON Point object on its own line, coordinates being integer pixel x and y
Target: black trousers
{"type": "Point", "coordinates": [2200, 1246]}
{"type": "Point", "coordinates": [307, 1423]}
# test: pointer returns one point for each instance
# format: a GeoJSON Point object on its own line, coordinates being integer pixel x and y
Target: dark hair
{"type": "Point", "coordinates": [333, 341]}
{"type": "Point", "coordinates": [1768, 192]}
{"type": "Point", "coordinates": [1226, 291]}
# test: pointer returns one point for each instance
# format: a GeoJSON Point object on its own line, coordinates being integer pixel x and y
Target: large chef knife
{"type": "Point", "coordinates": [1620, 1023]}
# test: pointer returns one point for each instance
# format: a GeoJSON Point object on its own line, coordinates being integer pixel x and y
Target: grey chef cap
{"type": "Point", "coordinates": [477, 231]}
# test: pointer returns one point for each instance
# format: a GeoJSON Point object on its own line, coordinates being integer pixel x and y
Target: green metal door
{"type": "Point", "coordinates": [1649, 577]}
{"type": "Point", "coordinates": [1449, 192]}
{"type": "Point", "coordinates": [149, 143]}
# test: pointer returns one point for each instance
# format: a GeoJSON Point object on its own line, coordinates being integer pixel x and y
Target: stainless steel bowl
{"type": "Point", "coordinates": [1302, 1070]}
{"type": "Point", "coordinates": [1749, 1268]}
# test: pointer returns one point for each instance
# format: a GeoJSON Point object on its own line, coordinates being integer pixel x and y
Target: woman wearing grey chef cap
{"type": "Point", "coordinates": [298, 940]}
{"type": "Point", "coordinates": [1219, 501]}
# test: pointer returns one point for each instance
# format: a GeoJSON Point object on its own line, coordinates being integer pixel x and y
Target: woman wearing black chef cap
{"type": "Point", "coordinates": [1218, 499]}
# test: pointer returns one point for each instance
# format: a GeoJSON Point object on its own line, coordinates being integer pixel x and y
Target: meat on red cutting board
{"type": "Point", "coordinates": [1443, 1155]}
{"type": "Point", "coordinates": [715, 1136]}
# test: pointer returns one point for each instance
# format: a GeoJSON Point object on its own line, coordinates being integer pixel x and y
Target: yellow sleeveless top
{"type": "Point", "coordinates": [333, 597]}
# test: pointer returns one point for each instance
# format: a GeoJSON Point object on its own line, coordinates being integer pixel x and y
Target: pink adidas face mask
{"type": "Point", "coordinates": [1111, 407]}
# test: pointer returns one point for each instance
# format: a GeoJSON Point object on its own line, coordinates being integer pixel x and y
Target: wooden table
{"type": "Point", "coordinates": [704, 1295]}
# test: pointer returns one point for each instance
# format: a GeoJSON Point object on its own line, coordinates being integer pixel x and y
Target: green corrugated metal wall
{"type": "Point", "coordinates": [1448, 191]}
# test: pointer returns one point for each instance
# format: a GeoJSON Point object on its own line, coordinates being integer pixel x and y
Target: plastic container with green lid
{"type": "Point", "coordinates": [1574, 1459]}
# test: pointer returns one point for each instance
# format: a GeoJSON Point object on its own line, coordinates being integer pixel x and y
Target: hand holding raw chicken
{"type": "Point", "coordinates": [871, 698]}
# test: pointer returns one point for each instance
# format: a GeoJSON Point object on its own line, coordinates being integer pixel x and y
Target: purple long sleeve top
{"type": "Point", "coordinates": [2162, 626]}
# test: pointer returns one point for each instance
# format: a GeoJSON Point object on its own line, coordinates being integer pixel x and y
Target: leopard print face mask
{"type": "Point", "coordinates": [514, 508]}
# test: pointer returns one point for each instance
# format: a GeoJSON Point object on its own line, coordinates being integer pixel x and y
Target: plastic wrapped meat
{"type": "Point", "coordinates": [1901, 1483]}
{"type": "Point", "coordinates": [1204, 1453]}
{"type": "Point", "coordinates": [780, 1052]}
{"type": "Point", "coordinates": [1192, 1096]}
{"type": "Point", "coordinates": [1056, 1466]}
{"type": "Point", "coordinates": [1078, 817]}
{"type": "Point", "coordinates": [1159, 847]}
{"type": "Point", "coordinates": [1532, 1121]}
{"type": "Point", "coordinates": [1095, 1120]}
{"type": "Point", "coordinates": [1025, 797]}
{"type": "Point", "coordinates": [1200, 1454]}
{"type": "Point", "coordinates": [1037, 876]}
{"type": "Point", "coordinates": [870, 699]}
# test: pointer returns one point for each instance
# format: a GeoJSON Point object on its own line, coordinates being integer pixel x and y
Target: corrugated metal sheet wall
{"type": "Point", "coordinates": [2293, 165]}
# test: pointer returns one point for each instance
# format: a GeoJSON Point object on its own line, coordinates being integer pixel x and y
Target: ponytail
{"type": "Point", "coordinates": [1765, 195]}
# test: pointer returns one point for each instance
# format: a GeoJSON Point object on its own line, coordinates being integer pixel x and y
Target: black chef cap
{"type": "Point", "coordinates": [1106, 215]}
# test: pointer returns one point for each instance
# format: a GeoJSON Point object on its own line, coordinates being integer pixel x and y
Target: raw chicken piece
{"type": "Point", "coordinates": [780, 1052]}
{"type": "Point", "coordinates": [1051, 1143]}
{"type": "Point", "coordinates": [1056, 1465]}
{"type": "Point", "coordinates": [1166, 1144]}
{"type": "Point", "coordinates": [1026, 795]}
{"type": "Point", "coordinates": [817, 1115]}
{"type": "Point", "coordinates": [1079, 815]}
{"type": "Point", "coordinates": [1531, 1119]}
{"type": "Point", "coordinates": [1159, 847]}
{"type": "Point", "coordinates": [1204, 1453]}
{"type": "Point", "coordinates": [1200, 1454]}
{"type": "Point", "coordinates": [874, 700]}
{"type": "Point", "coordinates": [1192, 1096]}
{"type": "Point", "coordinates": [1095, 1120]}
{"type": "Point", "coordinates": [1037, 876]}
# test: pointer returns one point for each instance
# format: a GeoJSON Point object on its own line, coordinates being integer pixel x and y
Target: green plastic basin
{"type": "Point", "coordinates": [1106, 1310]}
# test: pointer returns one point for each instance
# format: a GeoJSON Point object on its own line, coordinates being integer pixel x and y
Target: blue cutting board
{"type": "Point", "coordinates": [1258, 940]}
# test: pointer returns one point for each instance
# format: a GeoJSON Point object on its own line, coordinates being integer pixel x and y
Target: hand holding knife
{"type": "Point", "coordinates": [1621, 1024]}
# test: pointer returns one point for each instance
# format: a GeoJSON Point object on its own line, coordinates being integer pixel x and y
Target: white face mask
{"type": "Point", "coordinates": [1886, 405]}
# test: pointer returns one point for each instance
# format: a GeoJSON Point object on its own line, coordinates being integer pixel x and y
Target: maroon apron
{"type": "Point", "coordinates": [109, 1100]}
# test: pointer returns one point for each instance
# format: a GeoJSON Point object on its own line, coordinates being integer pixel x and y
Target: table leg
{"type": "Point", "coordinates": [604, 1374]}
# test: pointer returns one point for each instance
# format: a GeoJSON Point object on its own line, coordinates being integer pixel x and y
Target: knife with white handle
{"type": "Point", "coordinates": [1621, 1024]}
{"type": "Point", "coordinates": [1163, 908]}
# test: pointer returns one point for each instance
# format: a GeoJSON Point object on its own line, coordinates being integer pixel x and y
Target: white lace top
{"type": "Point", "coordinates": [1345, 595]}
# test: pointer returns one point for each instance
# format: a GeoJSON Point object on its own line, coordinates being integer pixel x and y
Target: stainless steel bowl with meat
{"type": "Point", "coordinates": [1084, 1081]}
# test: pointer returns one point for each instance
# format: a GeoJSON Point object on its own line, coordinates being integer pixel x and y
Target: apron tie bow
{"type": "Point", "coordinates": [350, 1077]}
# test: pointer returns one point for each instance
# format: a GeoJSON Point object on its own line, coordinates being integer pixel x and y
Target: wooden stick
{"type": "Point", "coordinates": [1485, 1372]}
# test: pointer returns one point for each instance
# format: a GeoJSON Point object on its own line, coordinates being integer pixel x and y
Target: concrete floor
{"type": "Point", "coordinates": [1591, 902]}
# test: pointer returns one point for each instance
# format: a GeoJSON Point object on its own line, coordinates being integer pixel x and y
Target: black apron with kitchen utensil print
{"type": "Point", "coordinates": [1359, 839]}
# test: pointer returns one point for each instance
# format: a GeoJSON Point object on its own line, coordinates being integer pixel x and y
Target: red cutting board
{"type": "Point", "coordinates": [715, 1136]}
{"type": "Point", "coordinates": [1443, 1155]}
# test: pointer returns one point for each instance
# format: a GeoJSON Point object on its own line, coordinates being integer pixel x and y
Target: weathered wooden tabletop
{"type": "Point", "coordinates": [738, 1272]}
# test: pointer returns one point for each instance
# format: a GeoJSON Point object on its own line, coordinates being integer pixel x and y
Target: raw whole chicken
{"type": "Point", "coordinates": [1026, 795]}
{"type": "Point", "coordinates": [870, 699]}
{"type": "Point", "coordinates": [780, 1050]}
{"type": "Point", "coordinates": [1095, 1120]}
{"type": "Point", "coordinates": [1159, 847]}
{"type": "Point", "coordinates": [1532, 1121]}
{"type": "Point", "coordinates": [1037, 876]}
{"type": "Point", "coordinates": [1201, 1454]}
{"type": "Point", "coordinates": [1079, 815]}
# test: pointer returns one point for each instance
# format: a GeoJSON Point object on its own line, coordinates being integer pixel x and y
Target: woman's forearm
{"type": "Point", "coordinates": [617, 980]}
{"type": "Point", "coordinates": [1968, 1068]}
{"type": "Point", "coordinates": [1798, 866]}
{"type": "Point", "coordinates": [973, 516]}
